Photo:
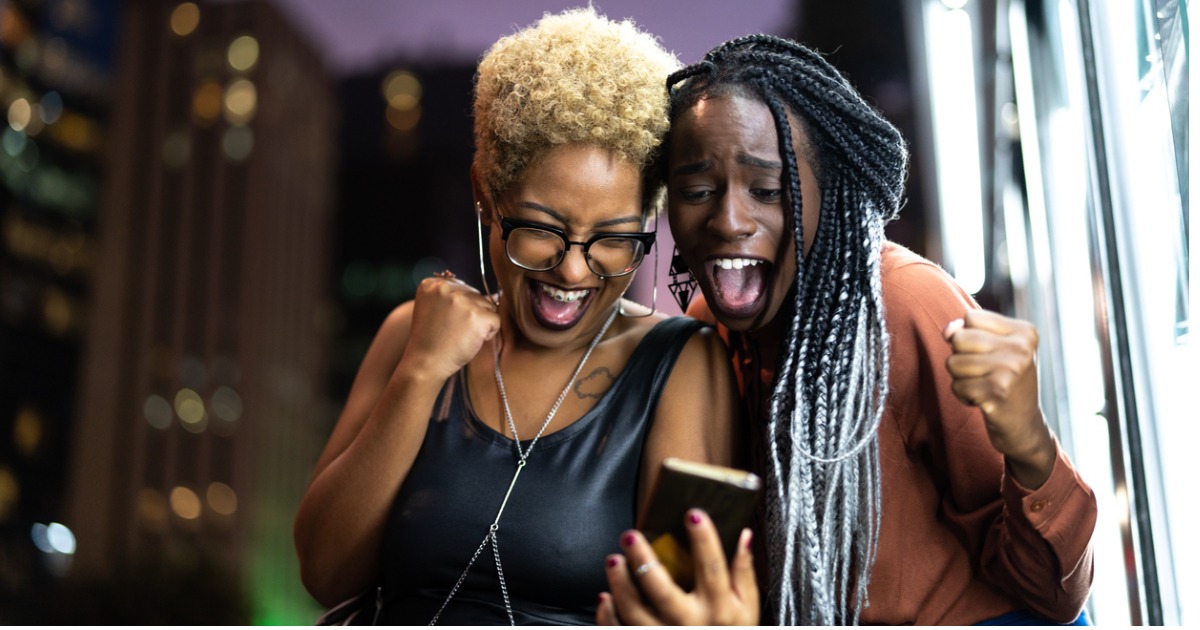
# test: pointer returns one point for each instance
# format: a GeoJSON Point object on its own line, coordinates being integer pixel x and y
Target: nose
{"type": "Point", "coordinates": [574, 268]}
{"type": "Point", "coordinates": [732, 219]}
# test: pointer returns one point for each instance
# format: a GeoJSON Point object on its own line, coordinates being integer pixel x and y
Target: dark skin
{"type": "Point", "coordinates": [584, 190]}
{"type": "Point", "coordinates": [726, 201]}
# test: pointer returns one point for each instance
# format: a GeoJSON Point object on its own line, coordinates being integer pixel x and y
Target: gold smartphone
{"type": "Point", "coordinates": [728, 495]}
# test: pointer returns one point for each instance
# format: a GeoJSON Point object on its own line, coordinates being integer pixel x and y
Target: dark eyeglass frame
{"type": "Point", "coordinates": [507, 226]}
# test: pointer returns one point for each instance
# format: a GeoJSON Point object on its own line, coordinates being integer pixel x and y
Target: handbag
{"type": "Point", "coordinates": [360, 610]}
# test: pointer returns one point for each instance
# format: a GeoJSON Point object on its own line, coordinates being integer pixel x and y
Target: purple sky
{"type": "Point", "coordinates": [360, 35]}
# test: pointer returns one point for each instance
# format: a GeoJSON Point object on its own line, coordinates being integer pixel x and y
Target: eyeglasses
{"type": "Point", "coordinates": [538, 247]}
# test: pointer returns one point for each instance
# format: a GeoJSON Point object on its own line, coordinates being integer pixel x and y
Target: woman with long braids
{"type": "Point", "coordinates": [911, 476]}
{"type": "Point", "coordinates": [493, 446]}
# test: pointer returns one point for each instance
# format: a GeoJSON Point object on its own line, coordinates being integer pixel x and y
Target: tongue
{"type": "Point", "coordinates": [555, 313]}
{"type": "Point", "coordinates": [737, 289]}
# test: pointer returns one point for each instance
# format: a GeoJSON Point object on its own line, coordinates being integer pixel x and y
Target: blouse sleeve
{"type": "Point", "coordinates": [1034, 545]}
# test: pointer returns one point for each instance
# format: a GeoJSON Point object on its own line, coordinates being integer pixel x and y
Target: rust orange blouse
{"type": "Point", "coordinates": [961, 540]}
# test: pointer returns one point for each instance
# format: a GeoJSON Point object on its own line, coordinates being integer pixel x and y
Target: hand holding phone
{"type": "Point", "coordinates": [727, 495]}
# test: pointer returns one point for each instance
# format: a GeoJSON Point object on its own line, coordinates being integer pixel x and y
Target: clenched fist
{"type": "Point", "coordinates": [450, 322]}
{"type": "Point", "coordinates": [994, 367]}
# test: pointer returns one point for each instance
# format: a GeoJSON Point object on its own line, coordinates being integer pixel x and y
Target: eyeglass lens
{"type": "Point", "coordinates": [540, 250]}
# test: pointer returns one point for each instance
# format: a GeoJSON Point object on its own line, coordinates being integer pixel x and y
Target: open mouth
{"type": "Point", "coordinates": [739, 285]}
{"type": "Point", "coordinates": [557, 308]}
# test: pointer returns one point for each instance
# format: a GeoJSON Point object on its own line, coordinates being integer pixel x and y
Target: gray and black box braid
{"type": "Point", "coordinates": [823, 473]}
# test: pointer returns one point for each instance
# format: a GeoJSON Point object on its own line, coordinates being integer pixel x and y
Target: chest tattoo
{"type": "Point", "coordinates": [595, 383]}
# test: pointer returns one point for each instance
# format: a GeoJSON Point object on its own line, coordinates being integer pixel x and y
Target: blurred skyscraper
{"type": "Point", "coordinates": [56, 62]}
{"type": "Point", "coordinates": [200, 408]}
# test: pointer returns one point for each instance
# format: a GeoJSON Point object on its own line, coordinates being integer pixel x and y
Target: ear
{"type": "Point", "coordinates": [483, 202]}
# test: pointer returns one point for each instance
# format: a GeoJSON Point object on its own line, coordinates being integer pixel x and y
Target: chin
{"type": "Point", "coordinates": [738, 324]}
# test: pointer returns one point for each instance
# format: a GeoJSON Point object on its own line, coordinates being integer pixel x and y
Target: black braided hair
{"type": "Point", "coordinates": [822, 459]}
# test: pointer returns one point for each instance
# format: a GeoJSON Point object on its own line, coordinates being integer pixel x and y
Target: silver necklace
{"type": "Point", "coordinates": [522, 457]}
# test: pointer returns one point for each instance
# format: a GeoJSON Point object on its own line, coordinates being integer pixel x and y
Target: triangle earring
{"type": "Point", "coordinates": [683, 284]}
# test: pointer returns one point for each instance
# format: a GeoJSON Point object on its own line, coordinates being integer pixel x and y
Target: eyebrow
{"type": "Point", "coordinates": [563, 220]}
{"type": "Point", "coordinates": [692, 169]}
{"type": "Point", "coordinates": [742, 158]}
{"type": "Point", "coordinates": [750, 160]}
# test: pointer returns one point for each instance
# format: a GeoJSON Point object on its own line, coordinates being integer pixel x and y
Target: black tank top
{"type": "Point", "coordinates": [576, 495]}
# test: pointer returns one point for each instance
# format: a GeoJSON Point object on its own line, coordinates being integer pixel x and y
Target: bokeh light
{"type": "Point", "coordinates": [10, 493]}
{"type": "Point", "coordinates": [55, 56]}
{"type": "Point", "coordinates": [190, 409]}
{"type": "Point", "coordinates": [395, 283]}
{"type": "Point", "coordinates": [227, 404]}
{"type": "Point", "coordinates": [13, 142]}
{"type": "Point", "coordinates": [27, 430]}
{"type": "Point", "coordinates": [221, 498]}
{"type": "Point", "coordinates": [53, 538]}
{"type": "Point", "coordinates": [185, 18]}
{"type": "Point", "coordinates": [185, 503]}
{"type": "Point", "coordinates": [241, 101]}
{"type": "Point", "coordinates": [58, 312]}
{"type": "Point", "coordinates": [77, 132]}
{"type": "Point", "coordinates": [19, 113]}
{"type": "Point", "coordinates": [237, 143]}
{"type": "Point", "coordinates": [242, 53]}
{"type": "Point", "coordinates": [401, 89]}
{"type": "Point", "coordinates": [62, 539]}
{"type": "Point", "coordinates": [206, 102]}
{"type": "Point", "coordinates": [52, 107]}
{"type": "Point", "coordinates": [359, 279]}
{"type": "Point", "coordinates": [226, 408]}
{"type": "Point", "coordinates": [404, 119]}
{"type": "Point", "coordinates": [157, 411]}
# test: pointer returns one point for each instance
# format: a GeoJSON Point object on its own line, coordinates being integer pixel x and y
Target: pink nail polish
{"type": "Point", "coordinates": [612, 561]}
{"type": "Point", "coordinates": [694, 517]}
{"type": "Point", "coordinates": [628, 539]}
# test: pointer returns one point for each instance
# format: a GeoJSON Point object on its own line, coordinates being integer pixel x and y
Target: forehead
{"type": "Point", "coordinates": [726, 117]}
{"type": "Point", "coordinates": [582, 183]}
{"type": "Point", "coordinates": [733, 121]}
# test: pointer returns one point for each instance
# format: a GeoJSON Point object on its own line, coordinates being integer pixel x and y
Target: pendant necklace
{"type": "Point", "coordinates": [522, 457]}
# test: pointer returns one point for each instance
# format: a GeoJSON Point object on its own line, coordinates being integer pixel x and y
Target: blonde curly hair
{"type": "Point", "coordinates": [571, 77]}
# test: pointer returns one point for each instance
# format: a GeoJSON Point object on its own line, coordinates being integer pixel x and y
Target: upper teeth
{"type": "Point", "coordinates": [735, 263]}
{"type": "Point", "coordinates": [563, 296]}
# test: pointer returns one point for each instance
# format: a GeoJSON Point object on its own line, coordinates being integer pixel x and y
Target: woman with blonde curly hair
{"type": "Point", "coordinates": [494, 445]}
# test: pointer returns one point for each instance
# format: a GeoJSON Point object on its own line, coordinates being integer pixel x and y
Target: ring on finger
{"type": "Point", "coordinates": [646, 568]}
{"type": "Point", "coordinates": [445, 275]}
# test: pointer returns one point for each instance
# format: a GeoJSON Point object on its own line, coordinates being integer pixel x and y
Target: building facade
{"type": "Point", "coordinates": [200, 410]}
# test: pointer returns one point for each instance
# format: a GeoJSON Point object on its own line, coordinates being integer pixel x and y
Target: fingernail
{"type": "Point", "coordinates": [612, 561]}
{"type": "Point", "coordinates": [952, 328]}
{"type": "Point", "coordinates": [747, 538]}
{"type": "Point", "coordinates": [628, 539]}
{"type": "Point", "coordinates": [600, 598]}
{"type": "Point", "coordinates": [694, 517]}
